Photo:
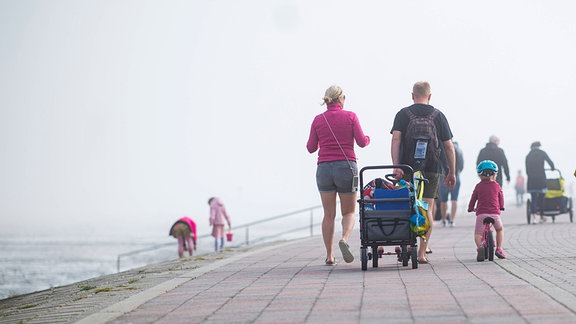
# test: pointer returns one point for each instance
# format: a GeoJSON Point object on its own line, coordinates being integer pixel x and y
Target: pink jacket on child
{"type": "Point", "coordinates": [218, 214]}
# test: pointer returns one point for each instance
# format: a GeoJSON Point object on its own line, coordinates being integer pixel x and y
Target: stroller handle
{"type": "Point", "coordinates": [405, 167]}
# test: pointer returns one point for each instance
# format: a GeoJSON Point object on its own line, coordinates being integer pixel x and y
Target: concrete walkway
{"type": "Point", "coordinates": [289, 283]}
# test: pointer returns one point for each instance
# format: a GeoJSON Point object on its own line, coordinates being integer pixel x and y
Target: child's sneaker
{"type": "Point", "coordinates": [481, 256]}
{"type": "Point", "coordinates": [500, 254]}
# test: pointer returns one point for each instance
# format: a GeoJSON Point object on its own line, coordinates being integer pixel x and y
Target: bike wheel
{"type": "Point", "coordinates": [490, 249]}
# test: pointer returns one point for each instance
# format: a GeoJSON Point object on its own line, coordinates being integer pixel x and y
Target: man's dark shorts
{"type": "Point", "coordinates": [431, 187]}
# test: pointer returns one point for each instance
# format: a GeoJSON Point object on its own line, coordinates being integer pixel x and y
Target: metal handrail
{"type": "Point", "coordinates": [247, 226]}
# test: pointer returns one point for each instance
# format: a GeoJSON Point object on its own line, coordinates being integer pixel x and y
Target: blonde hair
{"type": "Point", "coordinates": [421, 89]}
{"type": "Point", "coordinates": [332, 94]}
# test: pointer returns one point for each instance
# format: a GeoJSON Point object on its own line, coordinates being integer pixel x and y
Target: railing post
{"type": "Point", "coordinates": [247, 235]}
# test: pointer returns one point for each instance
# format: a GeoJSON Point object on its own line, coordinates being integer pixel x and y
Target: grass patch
{"type": "Point", "coordinates": [129, 288]}
{"type": "Point", "coordinates": [107, 289]}
{"type": "Point", "coordinates": [133, 281]}
{"type": "Point", "coordinates": [28, 306]}
{"type": "Point", "coordinates": [85, 288]}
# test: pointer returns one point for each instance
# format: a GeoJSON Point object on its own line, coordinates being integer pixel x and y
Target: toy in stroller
{"type": "Point", "coordinates": [389, 216]}
{"type": "Point", "coordinates": [554, 202]}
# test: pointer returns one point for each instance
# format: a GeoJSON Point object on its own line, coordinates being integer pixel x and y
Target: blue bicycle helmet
{"type": "Point", "coordinates": [487, 168]}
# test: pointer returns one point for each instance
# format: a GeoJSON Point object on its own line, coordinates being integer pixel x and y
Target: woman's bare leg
{"type": "Point", "coordinates": [348, 208]}
{"type": "Point", "coordinates": [329, 206]}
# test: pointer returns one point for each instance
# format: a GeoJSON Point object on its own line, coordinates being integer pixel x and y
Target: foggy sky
{"type": "Point", "coordinates": [126, 115]}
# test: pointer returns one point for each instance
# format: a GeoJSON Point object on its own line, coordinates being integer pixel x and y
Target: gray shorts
{"type": "Point", "coordinates": [335, 176]}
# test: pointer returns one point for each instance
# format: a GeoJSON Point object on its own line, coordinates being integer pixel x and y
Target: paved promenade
{"type": "Point", "coordinates": [287, 282]}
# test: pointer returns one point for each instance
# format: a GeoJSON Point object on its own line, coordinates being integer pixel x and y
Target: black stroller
{"type": "Point", "coordinates": [385, 218]}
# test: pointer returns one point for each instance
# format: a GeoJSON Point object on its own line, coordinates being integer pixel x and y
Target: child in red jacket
{"type": "Point", "coordinates": [184, 230]}
{"type": "Point", "coordinates": [490, 200]}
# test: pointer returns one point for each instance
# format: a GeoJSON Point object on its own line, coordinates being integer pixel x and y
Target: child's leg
{"type": "Point", "coordinates": [478, 239]}
{"type": "Point", "coordinates": [180, 246]}
{"type": "Point", "coordinates": [221, 243]}
{"type": "Point", "coordinates": [499, 237]}
{"type": "Point", "coordinates": [216, 244]}
{"type": "Point", "coordinates": [189, 245]}
{"type": "Point", "coordinates": [479, 230]}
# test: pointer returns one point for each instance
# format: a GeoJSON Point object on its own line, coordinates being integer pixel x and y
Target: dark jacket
{"type": "Point", "coordinates": [492, 152]}
{"type": "Point", "coordinates": [535, 169]}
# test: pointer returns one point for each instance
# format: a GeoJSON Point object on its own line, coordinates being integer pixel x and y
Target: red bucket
{"type": "Point", "coordinates": [229, 237]}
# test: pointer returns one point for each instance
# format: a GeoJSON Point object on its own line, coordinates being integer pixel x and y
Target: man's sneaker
{"type": "Point", "coordinates": [452, 224]}
{"type": "Point", "coordinates": [500, 254]}
{"type": "Point", "coordinates": [481, 256]}
{"type": "Point", "coordinates": [443, 223]}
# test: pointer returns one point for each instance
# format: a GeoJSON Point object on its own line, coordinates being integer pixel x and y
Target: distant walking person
{"type": "Point", "coordinates": [445, 191]}
{"type": "Point", "coordinates": [487, 200]}
{"type": "Point", "coordinates": [184, 230]}
{"type": "Point", "coordinates": [537, 178]}
{"type": "Point", "coordinates": [423, 126]}
{"type": "Point", "coordinates": [218, 218]}
{"type": "Point", "coordinates": [520, 188]}
{"type": "Point", "coordinates": [494, 153]}
{"type": "Point", "coordinates": [334, 132]}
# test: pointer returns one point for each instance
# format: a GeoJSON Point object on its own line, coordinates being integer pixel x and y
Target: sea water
{"type": "Point", "coordinates": [29, 264]}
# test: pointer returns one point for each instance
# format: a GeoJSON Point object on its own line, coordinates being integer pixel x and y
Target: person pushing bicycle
{"type": "Point", "coordinates": [487, 200]}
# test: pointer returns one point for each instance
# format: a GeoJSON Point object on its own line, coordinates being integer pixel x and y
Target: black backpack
{"type": "Point", "coordinates": [421, 139]}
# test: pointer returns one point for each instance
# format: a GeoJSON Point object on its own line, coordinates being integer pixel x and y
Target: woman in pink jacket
{"type": "Point", "coordinates": [218, 218]}
{"type": "Point", "coordinates": [333, 134]}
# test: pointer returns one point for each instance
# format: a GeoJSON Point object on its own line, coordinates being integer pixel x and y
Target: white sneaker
{"type": "Point", "coordinates": [452, 224]}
